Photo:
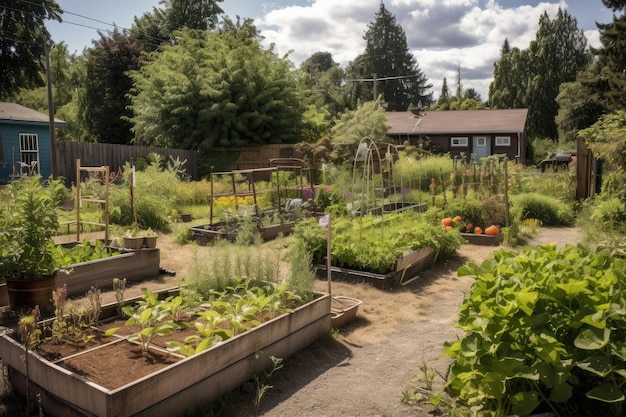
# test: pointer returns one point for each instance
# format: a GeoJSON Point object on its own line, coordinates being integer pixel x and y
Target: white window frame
{"type": "Point", "coordinates": [481, 141]}
{"type": "Point", "coordinates": [29, 153]}
{"type": "Point", "coordinates": [458, 142]}
{"type": "Point", "coordinates": [503, 141]}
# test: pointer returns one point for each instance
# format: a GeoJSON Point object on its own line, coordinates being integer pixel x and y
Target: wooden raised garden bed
{"type": "Point", "coordinates": [207, 233]}
{"type": "Point", "coordinates": [404, 271]}
{"type": "Point", "coordinates": [134, 265]}
{"type": "Point", "coordinates": [483, 239]}
{"type": "Point", "coordinates": [179, 383]}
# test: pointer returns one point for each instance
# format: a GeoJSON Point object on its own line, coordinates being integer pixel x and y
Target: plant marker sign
{"type": "Point", "coordinates": [325, 221]}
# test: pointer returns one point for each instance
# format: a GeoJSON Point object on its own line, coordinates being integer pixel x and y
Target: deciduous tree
{"type": "Point", "coordinates": [107, 87]}
{"type": "Point", "coordinates": [23, 37]}
{"type": "Point", "coordinates": [215, 89]}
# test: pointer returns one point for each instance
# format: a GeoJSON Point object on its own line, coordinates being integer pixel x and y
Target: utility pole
{"type": "Point", "coordinates": [375, 88]}
{"type": "Point", "coordinates": [53, 142]}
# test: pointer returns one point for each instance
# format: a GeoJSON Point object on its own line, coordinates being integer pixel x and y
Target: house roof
{"type": "Point", "coordinates": [457, 121]}
{"type": "Point", "coordinates": [17, 112]}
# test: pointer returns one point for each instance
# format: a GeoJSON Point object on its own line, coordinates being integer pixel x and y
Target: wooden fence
{"type": "Point", "coordinates": [114, 156]}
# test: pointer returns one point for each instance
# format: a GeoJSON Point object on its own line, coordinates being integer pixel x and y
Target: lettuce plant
{"type": "Point", "coordinates": [545, 331]}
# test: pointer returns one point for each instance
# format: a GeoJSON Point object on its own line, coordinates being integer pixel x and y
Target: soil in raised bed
{"type": "Point", "coordinates": [118, 364]}
{"type": "Point", "coordinates": [54, 351]}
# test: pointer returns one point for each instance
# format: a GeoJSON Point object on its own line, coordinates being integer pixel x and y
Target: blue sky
{"type": "Point", "coordinates": [442, 34]}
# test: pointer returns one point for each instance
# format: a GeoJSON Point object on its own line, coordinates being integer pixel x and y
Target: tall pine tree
{"type": "Point", "coordinates": [387, 59]}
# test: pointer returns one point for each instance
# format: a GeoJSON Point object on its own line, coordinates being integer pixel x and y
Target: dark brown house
{"type": "Point", "coordinates": [470, 132]}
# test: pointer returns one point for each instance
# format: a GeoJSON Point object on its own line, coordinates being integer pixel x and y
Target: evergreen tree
{"type": "Point", "coordinates": [507, 89]}
{"type": "Point", "coordinates": [459, 87]}
{"type": "Point", "coordinates": [556, 55]}
{"type": "Point", "coordinates": [443, 103]}
{"type": "Point", "coordinates": [387, 58]}
{"type": "Point", "coordinates": [601, 88]}
{"type": "Point", "coordinates": [531, 78]}
{"type": "Point", "coordinates": [23, 36]}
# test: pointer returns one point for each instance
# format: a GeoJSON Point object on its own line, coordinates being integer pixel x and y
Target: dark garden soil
{"type": "Point", "coordinates": [359, 370]}
{"type": "Point", "coordinates": [117, 364]}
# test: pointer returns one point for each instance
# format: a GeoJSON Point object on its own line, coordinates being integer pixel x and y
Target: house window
{"type": "Point", "coordinates": [29, 154]}
{"type": "Point", "coordinates": [458, 142]}
{"type": "Point", "coordinates": [481, 142]}
{"type": "Point", "coordinates": [503, 141]}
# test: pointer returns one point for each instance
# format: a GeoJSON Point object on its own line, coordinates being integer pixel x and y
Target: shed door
{"type": "Point", "coordinates": [481, 147]}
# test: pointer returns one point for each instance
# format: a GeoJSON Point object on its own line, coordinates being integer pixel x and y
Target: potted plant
{"type": "Point", "coordinates": [27, 226]}
{"type": "Point", "coordinates": [150, 239]}
{"type": "Point", "coordinates": [132, 239]}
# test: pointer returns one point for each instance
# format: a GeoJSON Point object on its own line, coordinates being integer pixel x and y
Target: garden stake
{"type": "Point", "coordinates": [325, 222]}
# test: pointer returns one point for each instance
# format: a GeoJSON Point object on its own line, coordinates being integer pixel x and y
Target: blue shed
{"type": "Point", "coordinates": [25, 147]}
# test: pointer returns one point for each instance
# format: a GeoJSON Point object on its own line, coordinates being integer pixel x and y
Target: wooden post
{"type": "Point", "coordinates": [79, 202]}
{"type": "Point", "coordinates": [329, 246]}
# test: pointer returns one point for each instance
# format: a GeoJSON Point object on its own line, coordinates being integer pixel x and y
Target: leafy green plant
{"type": "Point", "coordinates": [27, 226]}
{"type": "Point", "coordinates": [545, 330]}
{"type": "Point", "coordinates": [150, 314]}
{"type": "Point", "coordinates": [83, 252]}
{"type": "Point", "coordinates": [371, 243]}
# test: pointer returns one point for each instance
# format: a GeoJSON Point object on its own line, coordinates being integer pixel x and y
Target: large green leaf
{"type": "Point", "coordinates": [607, 393]}
{"type": "Point", "coordinates": [525, 402]}
{"type": "Point", "coordinates": [592, 339]}
{"type": "Point", "coordinates": [599, 365]}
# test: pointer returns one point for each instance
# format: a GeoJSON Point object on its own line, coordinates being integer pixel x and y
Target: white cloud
{"type": "Point", "coordinates": [443, 34]}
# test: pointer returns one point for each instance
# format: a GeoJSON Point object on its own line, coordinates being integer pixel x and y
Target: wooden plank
{"type": "Point", "coordinates": [414, 257]}
{"type": "Point", "coordinates": [134, 266]}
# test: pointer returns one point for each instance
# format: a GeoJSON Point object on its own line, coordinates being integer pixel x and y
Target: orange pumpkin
{"type": "Point", "coordinates": [478, 231]}
{"type": "Point", "coordinates": [457, 219]}
{"type": "Point", "coordinates": [447, 221]}
{"type": "Point", "coordinates": [448, 228]}
{"type": "Point", "coordinates": [492, 230]}
{"type": "Point", "coordinates": [469, 227]}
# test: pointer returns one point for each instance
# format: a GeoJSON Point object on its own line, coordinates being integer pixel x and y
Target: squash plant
{"type": "Point", "coordinates": [373, 243]}
{"type": "Point", "coordinates": [545, 331]}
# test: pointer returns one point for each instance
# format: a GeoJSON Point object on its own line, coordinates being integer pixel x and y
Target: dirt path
{"type": "Point", "coordinates": [363, 371]}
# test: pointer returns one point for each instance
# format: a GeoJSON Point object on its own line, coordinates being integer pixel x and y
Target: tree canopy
{"type": "Point", "coordinates": [601, 88]}
{"type": "Point", "coordinates": [23, 38]}
{"type": "Point", "coordinates": [367, 120]}
{"type": "Point", "coordinates": [107, 84]}
{"type": "Point", "coordinates": [531, 78]}
{"type": "Point", "coordinates": [215, 89]}
{"type": "Point", "coordinates": [399, 80]}
{"type": "Point", "coordinates": [156, 27]}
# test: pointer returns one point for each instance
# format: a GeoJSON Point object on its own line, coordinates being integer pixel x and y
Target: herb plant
{"type": "Point", "coordinates": [545, 331]}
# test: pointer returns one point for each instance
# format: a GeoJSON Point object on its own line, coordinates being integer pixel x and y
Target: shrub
{"type": "Point", "coordinates": [470, 211]}
{"type": "Point", "coordinates": [549, 210]}
{"type": "Point", "coordinates": [544, 331]}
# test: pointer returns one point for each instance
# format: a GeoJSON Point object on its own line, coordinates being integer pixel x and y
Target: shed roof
{"type": "Point", "coordinates": [458, 121]}
{"type": "Point", "coordinates": [17, 112]}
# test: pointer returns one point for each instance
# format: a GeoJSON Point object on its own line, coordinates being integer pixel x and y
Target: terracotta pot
{"type": "Point", "coordinates": [29, 293]}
